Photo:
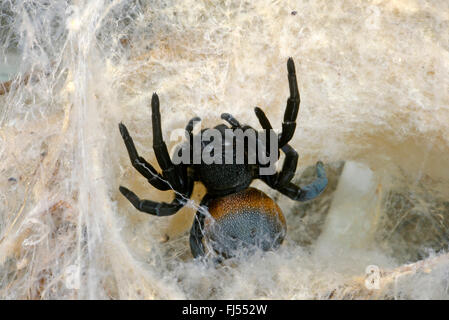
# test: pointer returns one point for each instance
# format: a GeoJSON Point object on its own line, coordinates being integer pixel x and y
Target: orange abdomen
{"type": "Point", "coordinates": [245, 220]}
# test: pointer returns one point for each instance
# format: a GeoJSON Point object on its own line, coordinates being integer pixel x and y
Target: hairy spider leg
{"type": "Point", "coordinates": [281, 180]}
{"type": "Point", "coordinates": [140, 164]}
{"type": "Point", "coordinates": [292, 108]}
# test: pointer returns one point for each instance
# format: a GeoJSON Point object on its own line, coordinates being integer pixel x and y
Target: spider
{"type": "Point", "coordinates": [232, 215]}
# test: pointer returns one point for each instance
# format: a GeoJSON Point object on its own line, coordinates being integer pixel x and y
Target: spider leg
{"type": "Point", "coordinates": [288, 167]}
{"type": "Point", "coordinates": [266, 125]}
{"type": "Point", "coordinates": [309, 191]}
{"type": "Point", "coordinates": [190, 124]}
{"type": "Point", "coordinates": [140, 164]}
{"type": "Point", "coordinates": [196, 232]}
{"type": "Point", "coordinates": [159, 208]}
{"type": "Point", "coordinates": [281, 180]}
{"type": "Point", "coordinates": [291, 111]}
{"type": "Point", "coordinates": [287, 172]}
{"type": "Point", "coordinates": [231, 120]}
{"type": "Point", "coordinates": [169, 170]}
{"type": "Point", "coordinates": [155, 208]}
{"type": "Point", "coordinates": [264, 122]}
{"type": "Point", "coordinates": [290, 161]}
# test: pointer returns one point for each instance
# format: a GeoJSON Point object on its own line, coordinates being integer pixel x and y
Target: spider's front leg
{"type": "Point", "coordinates": [173, 177]}
{"type": "Point", "coordinates": [291, 111]}
{"type": "Point", "coordinates": [173, 173]}
{"type": "Point", "coordinates": [140, 164]}
{"type": "Point", "coordinates": [292, 108]}
{"type": "Point", "coordinates": [281, 180]}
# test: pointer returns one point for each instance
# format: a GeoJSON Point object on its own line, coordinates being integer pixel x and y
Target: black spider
{"type": "Point", "coordinates": [239, 216]}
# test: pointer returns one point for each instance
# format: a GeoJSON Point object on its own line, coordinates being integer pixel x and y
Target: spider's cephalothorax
{"type": "Point", "coordinates": [240, 217]}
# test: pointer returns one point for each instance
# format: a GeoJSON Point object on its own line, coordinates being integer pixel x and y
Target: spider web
{"type": "Point", "coordinates": [373, 82]}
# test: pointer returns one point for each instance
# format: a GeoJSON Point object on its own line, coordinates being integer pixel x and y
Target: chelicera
{"type": "Point", "coordinates": [232, 215]}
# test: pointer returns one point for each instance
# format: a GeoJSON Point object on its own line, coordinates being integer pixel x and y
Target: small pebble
{"type": "Point", "coordinates": [294, 13]}
{"type": "Point", "coordinates": [12, 179]}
